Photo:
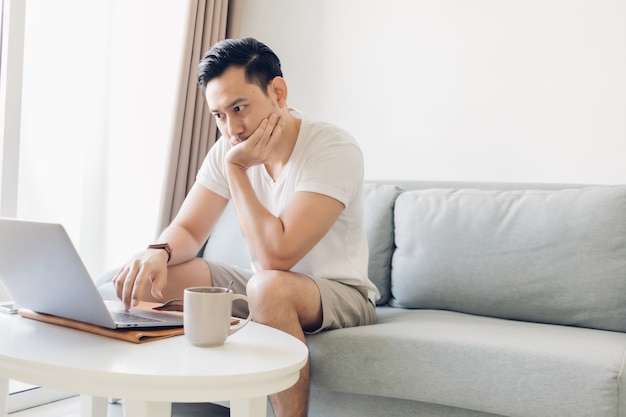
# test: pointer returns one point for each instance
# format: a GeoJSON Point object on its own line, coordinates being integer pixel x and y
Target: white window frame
{"type": "Point", "coordinates": [13, 12]}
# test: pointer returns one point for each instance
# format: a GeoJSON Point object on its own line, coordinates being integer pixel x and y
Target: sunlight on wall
{"type": "Point", "coordinates": [529, 91]}
{"type": "Point", "coordinates": [99, 85]}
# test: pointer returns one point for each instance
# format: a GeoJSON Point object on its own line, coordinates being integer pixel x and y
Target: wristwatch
{"type": "Point", "coordinates": [165, 246]}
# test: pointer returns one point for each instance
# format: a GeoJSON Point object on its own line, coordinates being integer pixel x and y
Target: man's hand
{"type": "Point", "coordinates": [257, 148]}
{"type": "Point", "coordinates": [146, 268]}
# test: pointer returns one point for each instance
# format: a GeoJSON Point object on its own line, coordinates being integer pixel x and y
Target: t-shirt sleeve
{"type": "Point", "coordinates": [336, 171]}
{"type": "Point", "coordinates": [212, 174]}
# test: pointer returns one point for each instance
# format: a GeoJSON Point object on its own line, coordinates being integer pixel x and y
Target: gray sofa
{"type": "Point", "coordinates": [497, 300]}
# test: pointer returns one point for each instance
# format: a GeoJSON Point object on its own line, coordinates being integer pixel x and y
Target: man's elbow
{"type": "Point", "coordinates": [276, 263]}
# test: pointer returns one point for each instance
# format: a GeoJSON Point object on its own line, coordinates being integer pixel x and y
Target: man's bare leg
{"type": "Point", "coordinates": [288, 302]}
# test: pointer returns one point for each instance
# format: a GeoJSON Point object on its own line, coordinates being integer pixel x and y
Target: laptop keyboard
{"type": "Point", "coordinates": [126, 317]}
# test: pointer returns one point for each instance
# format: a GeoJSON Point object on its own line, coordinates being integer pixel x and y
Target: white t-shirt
{"type": "Point", "coordinates": [325, 160]}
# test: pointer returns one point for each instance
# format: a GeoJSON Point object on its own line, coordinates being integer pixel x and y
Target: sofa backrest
{"type": "Point", "coordinates": [226, 243]}
{"type": "Point", "coordinates": [380, 199]}
{"type": "Point", "coordinates": [552, 255]}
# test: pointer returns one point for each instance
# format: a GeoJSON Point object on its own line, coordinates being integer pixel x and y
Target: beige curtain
{"type": "Point", "coordinates": [195, 131]}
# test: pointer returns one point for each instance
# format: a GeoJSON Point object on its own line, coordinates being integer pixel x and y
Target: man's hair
{"type": "Point", "coordinates": [260, 63]}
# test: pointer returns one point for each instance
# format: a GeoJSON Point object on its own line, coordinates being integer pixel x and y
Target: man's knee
{"type": "Point", "coordinates": [280, 295]}
{"type": "Point", "coordinates": [280, 289]}
{"type": "Point", "coordinates": [267, 285]}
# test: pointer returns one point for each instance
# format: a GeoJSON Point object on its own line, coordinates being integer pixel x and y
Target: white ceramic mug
{"type": "Point", "coordinates": [207, 313]}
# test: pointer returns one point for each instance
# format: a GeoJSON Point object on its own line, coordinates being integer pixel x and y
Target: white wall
{"type": "Point", "coordinates": [461, 90]}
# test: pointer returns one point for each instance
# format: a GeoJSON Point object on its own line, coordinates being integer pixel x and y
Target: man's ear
{"type": "Point", "coordinates": [278, 90]}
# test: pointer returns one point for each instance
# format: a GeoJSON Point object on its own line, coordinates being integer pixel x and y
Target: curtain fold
{"type": "Point", "coordinates": [195, 130]}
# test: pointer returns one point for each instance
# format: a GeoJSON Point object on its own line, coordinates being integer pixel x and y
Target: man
{"type": "Point", "coordinates": [296, 185]}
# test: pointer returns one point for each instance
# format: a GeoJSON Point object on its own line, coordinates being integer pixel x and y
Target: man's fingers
{"type": "Point", "coordinates": [158, 283]}
{"type": "Point", "coordinates": [131, 280]}
{"type": "Point", "coordinates": [269, 129]}
{"type": "Point", "coordinates": [265, 130]}
{"type": "Point", "coordinates": [133, 285]}
{"type": "Point", "coordinates": [277, 130]}
{"type": "Point", "coordinates": [120, 281]}
{"type": "Point", "coordinates": [258, 147]}
{"type": "Point", "coordinates": [259, 133]}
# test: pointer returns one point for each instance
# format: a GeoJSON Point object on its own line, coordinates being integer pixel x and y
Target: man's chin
{"type": "Point", "coordinates": [236, 141]}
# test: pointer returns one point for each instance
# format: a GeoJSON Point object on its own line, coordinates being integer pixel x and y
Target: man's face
{"type": "Point", "coordinates": [237, 105]}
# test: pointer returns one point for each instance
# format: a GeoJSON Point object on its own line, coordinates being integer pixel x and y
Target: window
{"type": "Point", "coordinates": [86, 126]}
{"type": "Point", "coordinates": [98, 94]}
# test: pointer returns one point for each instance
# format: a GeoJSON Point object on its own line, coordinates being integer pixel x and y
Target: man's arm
{"type": "Point", "coordinates": [185, 235]}
{"type": "Point", "coordinates": [193, 223]}
{"type": "Point", "coordinates": [278, 242]}
{"type": "Point", "coordinates": [281, 242]}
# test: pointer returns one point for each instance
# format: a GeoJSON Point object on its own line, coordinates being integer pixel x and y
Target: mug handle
{"type": "Point", "coordinates": [236, 327]}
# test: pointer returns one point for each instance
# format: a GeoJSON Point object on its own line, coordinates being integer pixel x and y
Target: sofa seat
{"type": "Point", "coordinates": [490, 365]}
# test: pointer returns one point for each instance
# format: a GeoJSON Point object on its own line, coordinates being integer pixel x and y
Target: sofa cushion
{"type": "Point", "coordinates": [497, 366]}
{"type": "Point", "coordinates": [226, 243]}
{"type": "Point", "coordinates": [545, 256]}
{"type": "Point", "coordinates": [378, 218]}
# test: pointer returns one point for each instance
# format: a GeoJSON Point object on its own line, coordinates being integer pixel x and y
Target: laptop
{"type": "Point", "coordinates": [42, 271]}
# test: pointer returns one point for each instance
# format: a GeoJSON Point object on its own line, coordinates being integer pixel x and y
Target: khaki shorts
{"type": "Point", "coordinates": [342, 305]}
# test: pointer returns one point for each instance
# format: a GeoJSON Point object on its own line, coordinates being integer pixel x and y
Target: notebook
{"type": "Point", "coordinates": [42, 271]}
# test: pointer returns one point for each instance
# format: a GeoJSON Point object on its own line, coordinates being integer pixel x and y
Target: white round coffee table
{"type": "Point", "coordinates": [253, 363]}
